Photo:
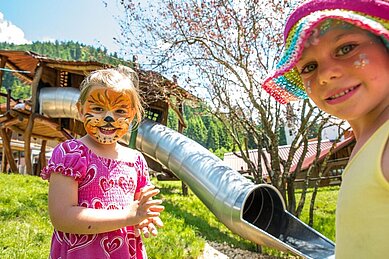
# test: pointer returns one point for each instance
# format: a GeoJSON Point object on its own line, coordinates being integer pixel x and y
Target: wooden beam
{"type": "Point", "coordinates": [34, 89]}
{"type": "Point", "coordinates": [8, 123]}
{"type": "Point", "coordinates": [23, 76]}
{"type": "Point", "coordinates": [17, 130]}
{"type": "Point", "coordinates": [47, 122]}
{"type": "Point", "coordinates": [8, 151]}
{"type": "Point", "coordinates": [15, 113]}
{"type": "Point", "coordinates": [77, 69]}
{"type": "Point", "coordinates": [30, 124]}
{"type": "Point", "coordinates": [27, 142]}
{"type": "Point", "coordinates": [2, 65]}
{"type": "Point", "coordinates": [5, 95]}
{"type": "Point", "coordinates": [5, 117]}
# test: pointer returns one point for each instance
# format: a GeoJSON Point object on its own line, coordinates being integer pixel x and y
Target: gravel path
{"type": "Point", "coordinates": [213, 250]}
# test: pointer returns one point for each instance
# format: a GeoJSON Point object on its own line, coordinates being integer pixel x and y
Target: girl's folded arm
{"type": "Point", "coordinates": [67, 216]}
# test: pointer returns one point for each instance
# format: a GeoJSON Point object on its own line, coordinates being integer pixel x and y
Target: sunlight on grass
{"type": "Point", "coordinates": [26, 229]}
{"type": "Point", "coordinates": [325, 206]}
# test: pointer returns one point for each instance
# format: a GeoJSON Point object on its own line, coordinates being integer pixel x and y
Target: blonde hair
{"type": "Point", "coordinates": [121, 79]}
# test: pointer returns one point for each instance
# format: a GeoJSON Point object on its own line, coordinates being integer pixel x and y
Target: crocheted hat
{"type": "Point", "coordinates": [285, 83]}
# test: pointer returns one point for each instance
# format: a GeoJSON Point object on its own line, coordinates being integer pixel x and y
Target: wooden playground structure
{"type": "Point", "coordinates": [25, 120]}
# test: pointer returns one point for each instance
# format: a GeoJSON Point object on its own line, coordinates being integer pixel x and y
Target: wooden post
{"type": "Point", "coordinates": [184, 187]}
{"type": "Point", "coordinates": [4, 161]}
{"type": "Point", "coordinates": [30, 124]}
{"type": "Point", "coordinates": [2, 65]}
{"type": "Point", "coordinates": [8, 150]}
{"type": "Point", "coordinates": [8, 98]}
{"type": "Point", "coordinates": [42, 157]}
{"type": "Point", "coordinates": [27, 143]}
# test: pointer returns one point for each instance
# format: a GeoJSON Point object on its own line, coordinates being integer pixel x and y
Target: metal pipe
{"type": "Point", "coordinates": [255, 212]}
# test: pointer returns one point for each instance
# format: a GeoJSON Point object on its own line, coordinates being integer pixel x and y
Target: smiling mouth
{"type": "Point", "coordinates": [107, 130]}
{"type": "Point", "coordinates": [342, 93]}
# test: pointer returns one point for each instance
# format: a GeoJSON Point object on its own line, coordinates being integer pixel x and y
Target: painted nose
{"type": "Point", "coordinates": [109, 119]}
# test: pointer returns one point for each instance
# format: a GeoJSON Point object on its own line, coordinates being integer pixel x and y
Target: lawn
{"type": "Point", "coordinates": [26, 229]}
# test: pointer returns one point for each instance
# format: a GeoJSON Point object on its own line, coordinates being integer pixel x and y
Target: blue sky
{"type": "Point", "coordinates": [92, 22]}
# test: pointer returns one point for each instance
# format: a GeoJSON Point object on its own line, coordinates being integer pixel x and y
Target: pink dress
{"type": "Point", "coordinates": [103, 183]}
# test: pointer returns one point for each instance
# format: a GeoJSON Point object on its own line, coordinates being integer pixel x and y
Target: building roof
{"type": "Point", "coordinates": [238, 164]}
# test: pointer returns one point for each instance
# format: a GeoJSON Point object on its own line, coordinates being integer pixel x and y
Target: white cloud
{"type": "Point", "coordinates": [11, 33]}
{"type": "Point", "coordinates": [47, 39]}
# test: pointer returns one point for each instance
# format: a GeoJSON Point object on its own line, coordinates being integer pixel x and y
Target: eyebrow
{"type": "Point", "coordinates": [342, 35]}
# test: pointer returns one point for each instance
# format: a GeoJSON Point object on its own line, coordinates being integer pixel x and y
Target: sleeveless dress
{"type": "Point", "coordinates": [362, 212]}
{"type": "Point", "coordinates": [103, 183]}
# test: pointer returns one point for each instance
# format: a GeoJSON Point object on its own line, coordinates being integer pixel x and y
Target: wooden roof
{"type": "Point", "coordinates": [26, 62]}
{"type": "Point", "coordinates": [61, 73]}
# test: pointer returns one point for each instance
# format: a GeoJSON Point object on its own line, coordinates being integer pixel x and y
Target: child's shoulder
{"type": "Point", "coordinates": [69, 144]}
{"type": "Point", "coordinates": [128, 154]}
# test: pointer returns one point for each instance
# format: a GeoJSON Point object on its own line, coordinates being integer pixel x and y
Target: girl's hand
{"type": "Point", "coordinates": [148, 226]}
{"type": "Point", "coordinates": [144, 207]}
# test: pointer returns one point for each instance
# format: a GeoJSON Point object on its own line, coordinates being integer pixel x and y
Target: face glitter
{"type": "Point", "coordinates": [362, 61]}
{"type": "Point", "coordinates": [285, 83]}
{"type": "Point", "coordinates": [313, 39]}
{"type": "Point", "coordinates": [309, 90]}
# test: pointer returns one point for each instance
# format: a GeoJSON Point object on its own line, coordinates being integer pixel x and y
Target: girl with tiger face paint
{"type": "Point", "coordinates": [100, 191]}
{"type": "Point", "coordinates": [108, 103]}
{"type": "Point", "coordinates": [107, 115]}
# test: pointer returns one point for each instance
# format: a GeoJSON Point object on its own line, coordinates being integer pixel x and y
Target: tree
{"type": "Point", "coordinates": [223, 49]}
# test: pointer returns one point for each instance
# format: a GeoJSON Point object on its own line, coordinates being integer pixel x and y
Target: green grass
{"type": "Point", "coordinates": [25, 225]}
{"type": "Point", "coordinates": [325, 204]}
{"type": "Point", "coordinates": [26, 229]}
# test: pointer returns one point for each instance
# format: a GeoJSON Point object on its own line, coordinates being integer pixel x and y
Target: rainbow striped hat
{"type": "Point", "coordinates": [285, 84]}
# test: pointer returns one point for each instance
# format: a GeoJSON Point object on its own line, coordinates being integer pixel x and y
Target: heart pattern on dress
{"type": "Point", "coordinates": [75, 241]}
{"type": "Point", "coordinates": [105, 184]}
{"type": "Point", "coordinates": [126, 185]}
{"type": "Point", "coordinates": [111, 246]}
{"type": "Point", "coordinates": [131, 242]}
{"type": "Point", "coordinates": [89, 176]}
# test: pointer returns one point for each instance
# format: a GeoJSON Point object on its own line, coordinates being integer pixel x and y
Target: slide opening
{"type": "Point", "coordinates": [264, 209]}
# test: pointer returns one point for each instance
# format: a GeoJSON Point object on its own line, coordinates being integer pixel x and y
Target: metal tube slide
{"type": "Point", "coordinates": [255, 212]}
{"type": "Point", "coordinates": [59, 102]}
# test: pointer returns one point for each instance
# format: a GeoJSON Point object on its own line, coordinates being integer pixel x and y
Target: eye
{"type": "Point", "coordinates": [121, 111]}
{"type": "Point", "coordinates": [308, 68]}
{"type": "Point", "coordinates": [97, 109]}
{"type": "Point", "coordinates": [345, 49]}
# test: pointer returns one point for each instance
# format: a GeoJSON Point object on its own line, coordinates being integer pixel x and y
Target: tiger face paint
{"type": "Point", "coordinates": [107, 114]}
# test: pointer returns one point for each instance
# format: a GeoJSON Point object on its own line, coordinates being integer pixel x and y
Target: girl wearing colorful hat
{"type": "Point", "coordinates": [337, 54]}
